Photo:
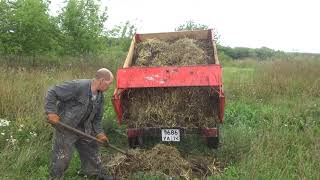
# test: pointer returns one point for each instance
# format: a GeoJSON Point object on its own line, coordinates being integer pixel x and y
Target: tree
{"type": "Point", "coordinates": [25, 27]}
{"type": "Point", "coordinates": [82, 25]}
{"type": "Point", "coordinates": [5, 21]}
{"type": "Point", "coordinates": [264, 53]}
{"type": "Point", "coordinates": [191, 25]}
{"type": "Point", "coordinates": [121, 35]}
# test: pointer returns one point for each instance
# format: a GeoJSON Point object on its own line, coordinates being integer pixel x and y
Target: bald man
{"type": "Point", "coordinates": [78, 103]}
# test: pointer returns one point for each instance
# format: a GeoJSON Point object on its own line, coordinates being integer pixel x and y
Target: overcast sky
{"type": "Point", "coordinates": [289, 25]}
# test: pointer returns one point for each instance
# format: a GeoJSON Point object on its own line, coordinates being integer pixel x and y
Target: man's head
{"type": "Point", "coordinates": [103, 79]}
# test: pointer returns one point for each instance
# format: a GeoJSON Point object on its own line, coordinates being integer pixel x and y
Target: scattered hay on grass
{"type": "Point", "coordinates": [203, 166]}
{"type": "Point", "coordinates": [161, 160]}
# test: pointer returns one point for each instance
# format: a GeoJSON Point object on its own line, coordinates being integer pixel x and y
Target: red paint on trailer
{"type": "Point", "coordinates": [210, 132]}
{"type": "Point", "coordinates": [222, 101]}
{"type": "Point", "coordinates": [134, 132]}
{"type": "Point", "coordinates": [172, 76]}
{"type": "Point", "coordinates": [116, 102]}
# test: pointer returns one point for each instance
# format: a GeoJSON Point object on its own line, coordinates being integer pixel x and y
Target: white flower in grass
{"type": "Point", "coordinates": [3, 133]}
{"type": "Point", "coordinates": [21, 125]}
{"type": "Point", "coordinates": [33, 134]}
{"type": "Point", "coordinates": [19, 129]}
{"type": "Point", "coordinates": [11, 140]}
{"type": "Point", "coordinates": [4, 122]}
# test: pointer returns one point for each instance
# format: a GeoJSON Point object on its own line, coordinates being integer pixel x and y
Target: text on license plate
{"type": "Point", "coordinates": [170, 134]}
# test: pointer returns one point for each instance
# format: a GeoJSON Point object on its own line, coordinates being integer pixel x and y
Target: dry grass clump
{"type": "Point", "coordinates": [161, 159]}
{"type": "Point", "coordinates": [182, 52]}
{"type": "Point", "coordinates": [170, 107]}
{"type": "Point", "coordinates": [151, 52]}
{"type": "Point", "coordinates": [185, 52]}
{"type": "Point", "coordinates": [203, 166]}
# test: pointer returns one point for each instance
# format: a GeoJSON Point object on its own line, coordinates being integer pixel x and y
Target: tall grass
{"type": "Point", "coordinates": [25, 144]}
{"type": "Point", "coordinates": [278, 106]}
{"type": "Point", "coordinates": [271, 130]}
{"type": "Point", "coordinates": [287, 80]}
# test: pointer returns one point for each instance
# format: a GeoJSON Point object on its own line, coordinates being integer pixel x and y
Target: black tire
{"type": "Point", "coordinates": [135, 142]}
{"type": "Point", "coordinates": [140, 141]}
{"type": "Point", "coordinates": [213, 142]}
{"type": "Point", "coordinates": [132, 142]}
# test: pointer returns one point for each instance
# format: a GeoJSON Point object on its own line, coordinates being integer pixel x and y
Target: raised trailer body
{"type": "Point", "coordinates": [133, 77]}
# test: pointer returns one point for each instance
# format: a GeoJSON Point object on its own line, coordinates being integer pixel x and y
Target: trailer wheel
{"type": "Point", "coordinates": [133, 142]}
{"type": "Point", "coordinates": [140, 141]}
{"type": "Point", "coordinates": [213, 142]}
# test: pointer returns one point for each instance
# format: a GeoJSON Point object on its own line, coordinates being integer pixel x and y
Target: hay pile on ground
{"type": "Point", "coordinates": [161, 159]}
{"type": "Point", "coordinates": [171, 107]}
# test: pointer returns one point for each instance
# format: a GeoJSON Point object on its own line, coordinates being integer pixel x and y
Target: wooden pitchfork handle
{"type": "Point", "coordinates": [80, 133]}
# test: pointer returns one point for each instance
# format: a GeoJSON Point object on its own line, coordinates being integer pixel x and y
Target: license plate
{"type": "Point", "coordinates": [170, 134]}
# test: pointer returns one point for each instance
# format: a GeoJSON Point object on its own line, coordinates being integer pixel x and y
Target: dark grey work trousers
{"type": "Point", "coordinates": [62, 150]}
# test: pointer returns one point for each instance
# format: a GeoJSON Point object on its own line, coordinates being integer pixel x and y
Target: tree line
{"type": "Point", "coordinates": [27, 28]}
{"type": "Point", "coordinates": [237, 53]}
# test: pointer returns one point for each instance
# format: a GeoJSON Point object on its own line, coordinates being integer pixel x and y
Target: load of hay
{"type": "Point", "coordinates": [171, 107]}
{"type": "Point", "coordinates": [182, 52]}
{"type": "Point", "coordinates": [190, 107]}
{"type": "Point", "coordinates": [161, 160]}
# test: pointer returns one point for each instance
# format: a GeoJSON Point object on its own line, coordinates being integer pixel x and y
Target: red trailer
{"type": "Point", "coordinates": [130, 77]}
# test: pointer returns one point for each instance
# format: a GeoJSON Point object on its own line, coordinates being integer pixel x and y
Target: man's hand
{"type": "Point", "coordinates": [53, 118]}
{"type": "Point", "coordinates": [102, 138]}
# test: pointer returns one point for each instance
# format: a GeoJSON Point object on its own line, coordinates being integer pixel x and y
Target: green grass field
{"type": "Point", "coordinates": [271, 129]}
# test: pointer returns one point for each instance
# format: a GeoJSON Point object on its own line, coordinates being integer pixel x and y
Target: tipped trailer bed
{"type": "Point", "coordinates": [133, 77]}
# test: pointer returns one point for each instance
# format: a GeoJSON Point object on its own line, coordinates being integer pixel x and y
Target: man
{"type": "Point", "coordinates": [79, 104]}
